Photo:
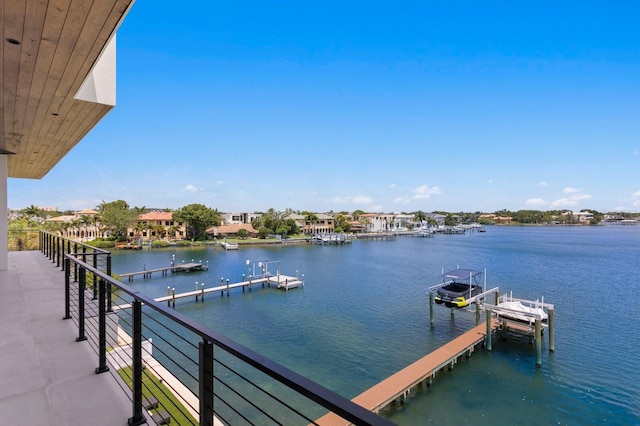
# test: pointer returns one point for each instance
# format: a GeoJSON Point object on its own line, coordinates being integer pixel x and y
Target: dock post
{"type": "Point", "coordinates": [196, 290]}
{"type": "Point", "coordinates": [227, 287]}
{"type": "Point", "coordinates": [249, 283]}
{"type": "Point", "coordinates": [552, 344]}
{"type": "Point", "coordinates": [477, 312]}
{"type": "Point", "coordinates": [538, 343]}
{"type": "Point", "coordinates": [453, 312]}
{"type": "Point", "coordinates": [173, 299]}
{"type": "Point", "coordinates": [202, 298]}
{"type": "Point", "coordinates": [243, 281]}
{"type": "Point", "coordinates": [431, 313]}
{"type": "Point", "coordinates": [497, 298]}
{"type": "Point", "coordinates": [286, 283]}
{"type": "Point", "coordinates": [168, 294]}
{"type": "Point", "coordinates": [221, 284]}
{"type": "Point", "coordinates": [488, 338]}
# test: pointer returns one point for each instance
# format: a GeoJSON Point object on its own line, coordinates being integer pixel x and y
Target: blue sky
{"type": "Point", "coordinates": [378, 106]}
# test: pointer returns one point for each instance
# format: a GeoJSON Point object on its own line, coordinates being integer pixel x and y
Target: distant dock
{"type": "Point", "coordinates": [184, 267]}
{"type": "Point", "coordinates": [284, 282]}
{"type": "Point", "coordinates": [384, 236]}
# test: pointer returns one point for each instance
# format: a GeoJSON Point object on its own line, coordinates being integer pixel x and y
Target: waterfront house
{"type": "Point", "coordinates": [82, 225]}
{"type": "Point", "coordinates": [157, 225]}
{"type": "Point", "coordinates": [324, 223]}
{"type": "Point", "coordinates": [231, 230]}
{"type": "Point", "coordinates": [241, 217]}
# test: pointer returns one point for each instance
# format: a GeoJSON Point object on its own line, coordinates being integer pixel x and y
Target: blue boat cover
{"type": "Point", "coordinates": [462, 274]}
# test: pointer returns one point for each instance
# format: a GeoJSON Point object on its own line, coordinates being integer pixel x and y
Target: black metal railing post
{"type": "Point", "coordinates": [109, 302]}
{"type": "Point", "coordinates": [75, 264]}
{"type": "Point", "coordinates": [81, 288]}
{"type": "Point", "coordinates": [95, 276]}
{"type": "Point", "coordinates": [67, 292]}
{"type": "Point", "coordinates": [58, 242]}
{"type": "Point", "coordinates": [206, 383]}
{"type": "Point", "coordinates": [102, 331]}
{"type": "Point", "coordinates": [136, 373]}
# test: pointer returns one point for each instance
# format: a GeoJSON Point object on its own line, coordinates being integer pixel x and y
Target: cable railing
{"type": "Point", "coordinates": [175, 369]}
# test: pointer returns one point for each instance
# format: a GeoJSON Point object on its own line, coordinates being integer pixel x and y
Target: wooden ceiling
{"type": "Point", "coordinates": [48, 49]}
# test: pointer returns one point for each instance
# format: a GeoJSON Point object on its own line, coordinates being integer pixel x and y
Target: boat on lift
{"type": "Point", "coordinates": [461, 285]}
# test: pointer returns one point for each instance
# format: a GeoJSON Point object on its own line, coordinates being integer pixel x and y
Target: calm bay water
{"type": "Point", "coordinates": [363, 315]}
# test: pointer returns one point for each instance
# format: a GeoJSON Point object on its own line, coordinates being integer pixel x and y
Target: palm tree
{"type": "Point", "coordinates": [312, 218]}
{"type": "Point", "coordinates": [31, 211]}
{"type": "Point", "coordinates": [420, 216]}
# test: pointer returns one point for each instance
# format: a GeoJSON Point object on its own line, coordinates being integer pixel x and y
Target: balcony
{"type": "Point", "coordinates": [80, 347]}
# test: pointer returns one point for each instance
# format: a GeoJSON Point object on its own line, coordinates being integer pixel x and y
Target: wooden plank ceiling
{"type": "Point", "coordinates": [48, 48]}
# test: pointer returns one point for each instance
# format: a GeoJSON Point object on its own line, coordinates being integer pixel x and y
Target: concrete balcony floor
{"type": "Point", "coordinates": [46, 377]}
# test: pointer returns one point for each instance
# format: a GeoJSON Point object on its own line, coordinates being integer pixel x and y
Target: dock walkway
{"type": "Point", "coordinates": [399, 385]}
{"type": "Point", "coordinates": [183, 267]}
{"type": "Point", "coordinates": [284, 282]}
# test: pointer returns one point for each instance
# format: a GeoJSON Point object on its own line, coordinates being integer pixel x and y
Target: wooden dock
{"type": "Point", "coordinates": [284, 282]}
{"type": "Point", "coordinates": [183, 267]}
{"type": "Point", "coordinates": [423, 371]}
{"type": "Point", "coordinates": [382, 236]}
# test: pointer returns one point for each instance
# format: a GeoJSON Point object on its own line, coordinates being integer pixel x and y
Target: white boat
{"type": "Point", "coordinates": [518, 311]}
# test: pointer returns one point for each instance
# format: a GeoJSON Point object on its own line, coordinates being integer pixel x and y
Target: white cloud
{"type": "Point", "coordinates": [580, 197]}
{"type": "Point", "coordinates": [362, 199]}
{"type": "Point", "coordinates": [636, 203]}
{"type": "Point", "coordinates": [401, 200]}
{"type": "Point", "coordinates": [543, 184]}
{"type": "Point", "coordinates": [619, 209]}
{"type": "Point", "coordinates": [570, 190]}
{"type": "Point", "coordinates": [636, 194]}
{"type": "Point", "coordinates": [191, 188]}
{"type": "Point", "coordinates": [393, 185]}
{"type": "Point", "coordinates": [341, 200]}
{"type": "Point", "coordinates": [219, 182]}
{"type": "Point", "coordinates": [377, 208]}
{"type": "Point", "coordinates": [424, 191]}
{"type": "Point", "coordinates": [536, 202]}
{"type": "Point", "coordinates": [357, 199]}
{"type": "Point", "coordinates": [571, 200]}
{"type": "Point", "coordinates": [636, 152]}
{"type": "Point", "coordinates": [564, 202]}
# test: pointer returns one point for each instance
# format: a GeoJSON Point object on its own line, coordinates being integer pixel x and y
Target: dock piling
{"type": "Point", "coordinates": [538, 343]}
{"type": "Point", "coordinates": [431, 313]}
{"type": "Point", "coordinates": [550, 320]}
{"type": "Point", "coordinates": [202, 286]}
{"type": "Point", "coordinates": [488, 337]}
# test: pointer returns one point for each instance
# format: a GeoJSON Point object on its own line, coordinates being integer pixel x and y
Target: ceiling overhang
{"type": "Point", "coordinates": [58, 77]}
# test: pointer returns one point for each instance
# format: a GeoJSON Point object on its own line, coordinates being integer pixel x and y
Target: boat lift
{"type": "Point", "coordinates": [530, 320]}
{"type": "Point", "coordinates": [471, 299]}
